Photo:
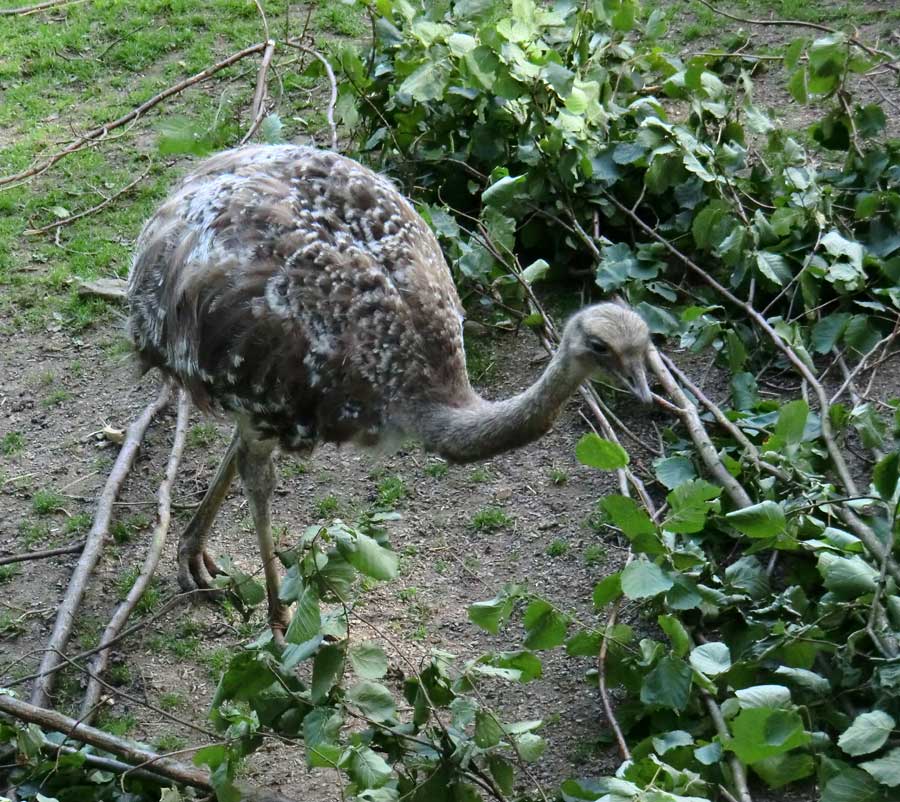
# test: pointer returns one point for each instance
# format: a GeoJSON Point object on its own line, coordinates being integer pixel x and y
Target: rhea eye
{"type": "Point", "coordinates": [599, 347]}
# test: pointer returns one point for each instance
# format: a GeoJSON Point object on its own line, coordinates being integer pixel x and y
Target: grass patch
{"type": "Point", "coordinates": [594, 555]}
{"type": "Point", "coordinates": [11, 444]}
{"type": "Point", "coordinates": [558, 548]}
{"type": "Point", "coordinates": [437, 470]}
{"type": "Point", "coordinates": [45, 502]}
{"type": "Point", "coordinates": [490, 519]}
{"type": "Point", "coordinates": [479, 476]}
{"type": "Point", "coordinates": [326, 506]}
{"type": "Point", "coordinates": [7, 572]}
{"type": "Point", "coordinates": [557, 476]}
{"type": "Point", "coordinates": [203, 434]}
{"type": "Point", "coordinates": [390, 491]}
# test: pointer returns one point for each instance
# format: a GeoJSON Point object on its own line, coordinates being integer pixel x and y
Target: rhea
{"type": "Point", "coordinates": [299, 292]}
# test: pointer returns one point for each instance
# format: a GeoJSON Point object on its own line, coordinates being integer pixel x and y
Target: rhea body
{"type": "Point", "coordinates": [300, 292]}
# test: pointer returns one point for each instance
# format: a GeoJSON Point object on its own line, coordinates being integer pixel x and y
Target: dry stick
{"type": "Point", "coordinates": [691, 420]}
{"type": "Point", "coordinates": [732, 428]}
{"type": "Point", "coordinates": [101, 131]}
{"type": "Point", "coordinates": [43, 687]}
{"type": "Point", "coordinates": [163, 518]}
{"type": "Point", "coordinates": [40, 555]}
{"type": "Point", "coordinates": [24, 10]}
{"type": "Point", "coordinates": [259, 96]}
{"type": "Point", "coordinates": [140, 757]}
{"type": "Point", "coordinates": [72, 218]}
{"type": "Point", "coordinates": [334, 91]}
{"type": "Point", "coordinates": [737, 768]}
{"type": "Point", "coordinates": [872, 51]}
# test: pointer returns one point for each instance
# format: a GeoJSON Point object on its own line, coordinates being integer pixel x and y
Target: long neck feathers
{"type": "Point", "coordinates": [478, 429]}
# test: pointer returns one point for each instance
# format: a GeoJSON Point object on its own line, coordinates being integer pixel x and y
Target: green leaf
{"type": "Point", "coordinates": [744, 390]}
{"type": "Point", "coordinates": [852, 785]}
{"type": "Point", "coordinates": [673, 471]}
{"type": "Point", "coordinates": [709, 755]}
{"type": "Point", "coordinates": [671, 740]}
{"type": "Point", "coordinates": [691, 502]}
{"type": "Point", "coordinates": [607, 590]}
{"type": "Point", "coordinates": [765, 519]}
{"type": "Point", "coordinates": [628, 516]}
{"type": "Point", "coordinates": [368, 659]}
{"type": "Point", "coordinates": [678, 635]}
{"type": "Point", "coordinates": [760, 732]}
{"type": "Point", "coordinates": [535, 271]}
{"type": "Point", "coordinates": [366, 555]}
{"type": "Point", "coordinates": [792, 421]}
{"type": "Point", "coordinates": [848, 577]}
{"type": "Point", "coordinates": [327, 669]}
{"type": "Point", "coordinates": [827, 332]}
{"type": "Point", "coordinates": [307, 620]}
{"type": "Point", "coordinates": [490, 614]}
{"type": "Point", "coordinates": [809, 680]}
{"type": "Point", "coordinates": [711, 659]}
{"type": "Point", "coordinates": [656, 24]}
{"type": "Point", "coordinates": [769, 696]}
{"type": "Point", "coordinates": [584, 643]}
{"type": "Point", "coordinates": [886, 474]}
{"type": "Point", "coordinates": [545, 626]}
{"type": "Point", "coordinates": [596, 452]}
{"type": "Point", "coordinates": [668, 684]}
{"type": "Point", "coordinates": [780, 770]}
{"type": "Point", "coordinates": [773, 267]}
{"type": "Point", "coordinates": [373, 700]}
{"type": "Point", "coordinates": [504, 193]}
{"type": "Point", "coordinates": [428, 82]}
{"type": "Point", "coordinates": [885, 769]}
{"type": "Point", "coordinates": [368, 769]}
{"type": "Point", "coordinates": [530, 746]}
{"type": "Point", "coordinates": [840, 246]}
{"type": "Point", "coordinates": [867, 733]}
{"type": "Point", "coordinates": [503, 773]}
{"type": "Point", "coordinates": [488, 731]}
{"type": "Point", "coordinates": [642, 579]}
{"type": "Point", "coordinates": [561, 79]}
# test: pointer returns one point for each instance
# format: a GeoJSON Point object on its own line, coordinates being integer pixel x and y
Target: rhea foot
{"type": "Point", "coordinates": [196, 569]}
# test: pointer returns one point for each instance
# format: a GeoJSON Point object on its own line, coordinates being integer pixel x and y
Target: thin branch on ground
{"type": "Point", "coordinates": [259, 96]}
{"type": "Point", "coordinates": [139, 757]}
{"type": "Point", "coordinates": [43, 687]}
{"type": "Point", "coordinates": [739, 774]}
{"type": "Point", "coordinates": [87, 212]}
{"type": "Point", "coordinates": [332, 102]}
{"type": "Point", "coordinates": [40, 555]}
{"type": "Point", "coordinates": [142, 582]}
{"type": "Point", "coordinates": [48, 5]}
{"type": "Point", "coordinates": [101, 131]}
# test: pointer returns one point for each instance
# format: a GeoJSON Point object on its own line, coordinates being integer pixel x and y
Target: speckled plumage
{"type": "Point", "coordinates": [299, 289]}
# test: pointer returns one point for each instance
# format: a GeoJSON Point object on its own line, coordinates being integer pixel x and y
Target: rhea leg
{"type": "Point", "coordinates": [256, 466]}
{"type": "Point", "coordinates": [195, 565]}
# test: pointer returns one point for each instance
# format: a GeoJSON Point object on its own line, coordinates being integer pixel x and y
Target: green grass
{"type": "Point", "coordinates": [390, 491]}
{"type": "Point", "coordinates": [557, 476]}
{"type": "Point", "coordinates": [203, 434]}
{"type": "Point", "coordinates": [32, 532]}
{"type": "Point", "coordinates": [479, 476]}
{"type": "Point", "coordinates": [116, 725]}
{"type": "Point", "coordinates": [490, 519]}
{"type": "Point", "coordinates": [292, 468]}
{"type": "Point", "coordinates": [170, 743]}
{"type": "Point", "coordinates": [7, 572]}
{"type": "Point", "coordinates": [122, 531]}
{"type": "Point", "coordinates": [594, 555]}
{"type": "Point", "coordinates": [171, 700]}
{"type": "Point", "coordinates": [45, 502]}
{"type": "Point", "coordinates": [12, 443]}
{"type": "Point", "coordinates": [558, 548]}
{"type": "Point", "coordinates": [150, 597]}
{"type": "Point", "coordinates": [326, 506]}
{"type": "Point", "coordinates": [437, 470]}
{"type": "Point", "coordinates": [77, 524]}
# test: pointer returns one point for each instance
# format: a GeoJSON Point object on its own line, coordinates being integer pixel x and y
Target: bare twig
{"type": "Point", "coordinates": [23, 11]}
{"type": "Point", "coordinates": [72, 218]}
{"type": "Point", "coordinates": [331, 80]}
{"type": "Point", "coordinates": [43, 687]}
{"type": "Point", "coordinates": [259, 96]}
{"type": "Point", "coordinates": [739, 774]}
{"type": "Point", "coordinates": [163, 517]}
{"type": "Point", "coordinates": [40, 555]}
{"type": "Point", "coordinates": [101, 131]}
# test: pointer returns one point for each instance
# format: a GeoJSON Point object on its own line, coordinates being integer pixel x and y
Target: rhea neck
{"type": "Point", "coordinates": [475, 428]}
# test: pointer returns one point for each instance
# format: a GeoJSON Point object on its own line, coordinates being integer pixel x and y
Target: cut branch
{"type": "Point", "coordinates": [259, 97]}
{"type": "Point", "coordinates": [334, 90]}
{"type": "Point", "coordinates": [43, 687]}
{"type": "Point", "coordinates": [101, 131]}
{"type": "Point", "coordinates": [164, 515]}
{"type": "Point", "coordinates": [40, 555]}
{"type": "Point", "coordinates": [23, 11]}
{"type": "Point", "coordinates": [137, 756]}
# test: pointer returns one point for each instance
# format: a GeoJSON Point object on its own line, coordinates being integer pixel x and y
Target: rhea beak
{"type": "Point", "coordinates": [634, 377]}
